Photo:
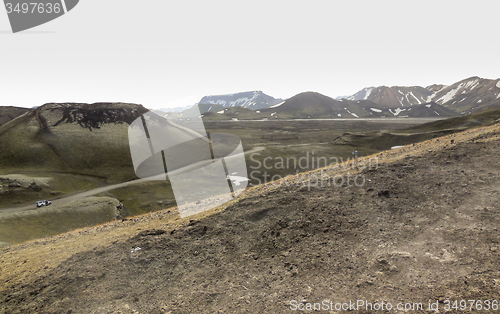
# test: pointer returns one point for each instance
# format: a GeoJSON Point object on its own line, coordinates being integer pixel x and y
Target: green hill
{"type": "Point", "coordinates": [88, 139]}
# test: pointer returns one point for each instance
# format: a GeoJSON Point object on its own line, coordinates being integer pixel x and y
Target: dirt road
{"type": "Point", "coordinates": [63, 200]}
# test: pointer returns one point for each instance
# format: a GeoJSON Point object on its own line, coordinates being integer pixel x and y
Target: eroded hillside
{"type": "Point", "coordinates": [423, 226]}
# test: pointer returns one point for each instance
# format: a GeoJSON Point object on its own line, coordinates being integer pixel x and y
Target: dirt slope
{"type": "Point", "coordinates": [8, 113]}
{"type": "Point", "coordinates": [424, 226]}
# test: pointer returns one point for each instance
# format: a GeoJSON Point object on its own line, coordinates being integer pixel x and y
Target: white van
{"type": "Point", "coordinates": [43, 203]}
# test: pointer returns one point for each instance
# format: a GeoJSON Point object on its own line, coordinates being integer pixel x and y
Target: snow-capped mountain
{"type": "Point", "coordinates": [466, 96]}
{"type": "Point", "coordinates": [470, 95]}
{"type": "Point", "coordinates": [253, 100]}
{"type": "Point", "coordinates": [393, 97]}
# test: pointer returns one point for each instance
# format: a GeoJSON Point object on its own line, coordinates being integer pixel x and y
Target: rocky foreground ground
{"type": "Point", "coordinates": [423, 226]}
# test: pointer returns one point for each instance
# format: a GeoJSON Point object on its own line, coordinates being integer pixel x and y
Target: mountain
{"type": "Point", "coordinates": [393, 97]}
{"type": "Point", "coordinates": [253, 100]}
{"type": "Point", "coordinates": [8, 113]}
{"type": "Point", "coordinates": [435, 88]}
{"type": "Point", "coordinates": [428, 110]}
{"type": "Point", "coordinates": [89, 139]}
{"type": "Point", "coordinates": [470, 95]}
{"type": "Point", "coordinates": [317, 106]}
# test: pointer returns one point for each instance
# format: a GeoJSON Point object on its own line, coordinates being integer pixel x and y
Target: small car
{"type": "Point", "coordinates": [43, 203]}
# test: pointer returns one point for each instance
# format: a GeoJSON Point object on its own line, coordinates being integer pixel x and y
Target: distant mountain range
{"type": "Point", "coordinates": [464, 97]}
{"type": "Point", "coordinates": [311, 105]}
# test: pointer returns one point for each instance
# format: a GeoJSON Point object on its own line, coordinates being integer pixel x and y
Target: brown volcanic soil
{"type": "Point", "coordinates": [424, 226]}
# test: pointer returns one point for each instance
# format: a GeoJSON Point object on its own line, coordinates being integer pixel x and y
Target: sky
{"type": "Point", "coordinates": [164, 54]}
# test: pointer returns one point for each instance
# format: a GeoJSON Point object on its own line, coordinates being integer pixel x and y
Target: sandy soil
{"type": "Point", "coordinates": [424, 226]}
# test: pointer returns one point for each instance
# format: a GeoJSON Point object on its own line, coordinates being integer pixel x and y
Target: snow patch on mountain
{"type": "Point", "coordinates": [277, 105]}
{"type": "Point", "coordinates": [375, 110]}
{"type": "Point", "coordinates": [471, 84]}
{"type": "Point", "coordinates": [353, 114]}
{"type": "Point", "coordinates": [396, 111]}
{"type": "Point", "coordinates": [429, 99]}
{"type": "Point", "coordinates": [361, 95]}
{"type": "Point", "coordinates": [449, 95]}
{"type": "Point", "coordinates": [415, 98]}
{"type": "Point", "coordinates": [368, 92]}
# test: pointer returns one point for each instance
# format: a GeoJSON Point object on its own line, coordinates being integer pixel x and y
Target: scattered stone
{"type": "Point", "coordinates": [384, 193]}
{"type": "Point", "coordinates": [152, 232]}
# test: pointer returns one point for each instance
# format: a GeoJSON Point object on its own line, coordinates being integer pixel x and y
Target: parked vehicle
{"type": "Point", "coordinates": [43, 203]}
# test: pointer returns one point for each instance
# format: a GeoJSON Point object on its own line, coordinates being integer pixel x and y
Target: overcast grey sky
{"type": "Point", "coordinates": [161, 53]}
